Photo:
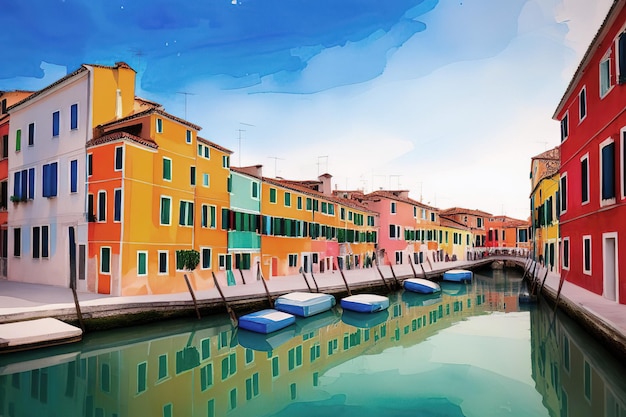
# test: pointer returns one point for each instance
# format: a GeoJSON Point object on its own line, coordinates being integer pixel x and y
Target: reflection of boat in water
{"type": "Point", "coordinates": [457, 275]}
{"type": "Point", "coordinates": [265, 342]}
{"type": "Point", "coordinates": [304, 304]}
{"type": "Point", "coordinates": [266, 321]}
{"type": "Point", "coordinates": [365, 303]}
{"type": "Point", "coordinates": [454, 288]}
{"type": "Point", "coordinates": [525, 295]}
{"type": "Point", "coordinates": [310, 324]}
{"type": "Point", "coordinates": [417, 300]}
{"type": "Point", "coordinates": [364, 320]}
{"type": "Point", "coordinates": [421, 285]}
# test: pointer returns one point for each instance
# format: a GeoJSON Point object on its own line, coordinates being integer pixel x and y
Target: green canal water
{"type": "Point", "coordinates": [472, 351]}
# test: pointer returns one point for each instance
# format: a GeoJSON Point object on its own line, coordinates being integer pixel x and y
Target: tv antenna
{"type": "Point", "coordinates": [275, 158]}
{"type": "Point", "coordinates": [239, 138]}
{"type": "Point", "coordinates": [318, 164]}
{"type": "Point", "coordinates": [185, 93]}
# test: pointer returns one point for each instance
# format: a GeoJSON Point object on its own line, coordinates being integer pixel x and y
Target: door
{"type": "Point", "coordinates": [274, 271]}
{"type": "Point", "coordinates": [72, 252]}
{"type": "Point", "coordinates": [305, 262]}
{"type": "Point", "coordinates": [609, 259]}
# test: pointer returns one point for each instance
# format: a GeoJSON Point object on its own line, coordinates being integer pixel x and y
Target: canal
{"type": "Point", "coordinates": [471, 351]}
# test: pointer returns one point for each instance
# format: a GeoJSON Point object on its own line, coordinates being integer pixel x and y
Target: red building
{"type": "Point", "coordinates": [593, 158]}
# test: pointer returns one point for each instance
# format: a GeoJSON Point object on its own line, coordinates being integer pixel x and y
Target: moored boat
{"type": "Point", "coordinates": [421, 285]}
{"type": "Point", "coordinates": [365, 303]}
{"type": "Point", "coordinates": [304, 304]}
{"type": "Point", "coordinates": [458, 275]}
{"type": "Point", "coordinates": [266, 321]}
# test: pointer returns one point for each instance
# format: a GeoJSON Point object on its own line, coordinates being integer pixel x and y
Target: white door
{"type": "Point", "coordinates": [609, 259]}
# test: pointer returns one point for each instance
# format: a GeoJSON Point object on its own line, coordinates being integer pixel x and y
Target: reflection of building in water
{"type": "Point", "coordinates": [572, 373]}
{"type": "Point", "coordinates": [205, 372]}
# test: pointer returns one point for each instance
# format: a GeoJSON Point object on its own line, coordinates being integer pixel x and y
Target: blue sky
{"type": "Point", "coordinates": [448, 99]}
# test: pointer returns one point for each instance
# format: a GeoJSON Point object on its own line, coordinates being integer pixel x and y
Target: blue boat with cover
{"type": "Point", "coordinates": [365, 303]}
{"type": "Point", "coordinates": [421, 285]}
{"type": "Point", "coordinates": [304, 304]}
{"type": "Point", "coordinates": [266, 321]}
{"type": "Point", "coordinates": [458, 275]}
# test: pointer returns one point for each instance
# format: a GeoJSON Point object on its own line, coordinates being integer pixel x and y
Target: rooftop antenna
{"type": "Point", "coordinates": [275, 158]}
{"type": "Point", "coordinates": [397, 181]}
{"type": "Point", "coordinates": [185, 93]}
{"type": "Point", "coordinates": [242, 130]}
{"type": "Point", "coordinates": [318, 164]}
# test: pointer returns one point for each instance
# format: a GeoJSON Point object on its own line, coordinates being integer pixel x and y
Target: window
{"type": "Point", "coordinates": [142, 376]}
{"type": "Point", "coordinates": [17, 242]}
{"type": "Point", "coordinates": [55, 123]}
{"type": "Point", "coordinates": [564, 127]}
{"type": "Point", "coordinates": [293, 260]}
{"type": "Point", "coordinates": [74, 117]}
{"type": "Point", "coordinates": [74, 176]}
{"type": "Point", "coordinates": [587, 255]}
{"type": "Point", "coordinates": [229, 183]}
{"type": "Point", "coordinates": [117, 211]}
{"type": "Point", "coordinates": [273, 195]}
{"type": "Point", "coordinates": [50, 180]}
{"type": "Point", "coordinates": [102, 206]}
{"type": "Point", "coordinates": [623, 162]}
{"type": "Point", "coordinates": [563, 191]}
{"type": "Point", "coordinates": [31, 183]}
{"type": "Point", "coordinates": [605, 76]}
{"type": "Point", "coordinates": [162, 371]}
{"type": "Point", "coordinates": [206, 180]}
{"type": "Point", "coordinates": [163, 255]}
{"type": "Point", "coordinates": [255, 191]}
{"type": "Point", "coordinates": [167, 169]}
{"type": "Point", "coordinates": [119, 158]}
{"type": "Point", "coordinates": [205, 261]}
{"type": "Point", "coordinates": [206, 377]}
{"type": "Point", "coordinates": [393, 207]}
{"type": "Point", "coordinates": [621, 51]}
{"type": "Point", "coordinates": [18, 140]}
{"type": "Point", "coordinates": [166, 211]}
{"type": "Point", "coordinates": [226, 161]}
{"type": "Point", "coordinates": [582, 104]}
{"type": "Point", "coordinates": [287, 199]}
{"type": "Point", "coordinates": [159, 125]}
{"type": "Point", "coordinates": [192, 175]}
{"type": "Point", "coordinates": [584, 179]}
{"type": "Point", "coordinates": [105, 260]}
{"type": "Point", "coordinates": [185, 217]}
{"type": "Point", "coordinates": [188, 136]}
{"type": "Point", "coordinates": [36, 241]}
{"type": "Point", "coordinates": [607, 171]}
{"type": "Point", "coordinates": [208, 216]}
{"type": "Point", "coordinates": [5, 146]}
{"type": "Point", "coordinates": [31, 134]}
{"type": "Point", "coordinates": [142, 263]}
{"type": "Point", "coordinates": [90, 164]}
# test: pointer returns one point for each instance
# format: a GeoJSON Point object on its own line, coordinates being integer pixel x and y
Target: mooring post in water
{"type": "Point", "coordinates": [544, 281]}
{"type": "Point", "coordinates": [424, 271]}
{"type": "Point", "coordinates": [230, 311]}
{"type": "Point", "coordinates": [314, 281]}
{"type": "Point", "coordinates": [344, 280]}
{"type": "Point", "coordinates": [193, 296]}
{"type": "Point", "coordinates": [412, 267]}
{"type": "Point", "coordinates": [267, 292]}
{"type": "Point", "coordinates": [533, 289]}
{"type": "Point", "coordinates": [382, 276]}
{"type": "Point", "coordinates": [78, 312]}
{"type": "Point", "coordinates": [392, 272]}
{"type": "Point", "coordinates": [306, 280]}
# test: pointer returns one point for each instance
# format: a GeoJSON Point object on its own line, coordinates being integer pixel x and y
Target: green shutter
{"type": "Point", "coordinates": [18, 140]}
{"type": "Point", "coordinates": [141, 263]}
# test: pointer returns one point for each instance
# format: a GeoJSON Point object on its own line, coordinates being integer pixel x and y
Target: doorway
{"type": "Point", "coordinates": [609, 266]}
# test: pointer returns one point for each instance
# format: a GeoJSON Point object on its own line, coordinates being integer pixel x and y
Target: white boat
{"type": "Point", "coordinates": [421, 285]}
{"type": "Point", "coordinates": [458, 275]}
{"type": "Point", "coordinates": [266, 321]}
{"type": "Point", "coordinates": [365, 303]}
{"type": "Point", "coordinates": [304, 304]}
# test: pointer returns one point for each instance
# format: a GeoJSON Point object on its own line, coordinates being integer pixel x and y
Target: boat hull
{"type": "Point", "coordinates": [458, 275]}
{"type": "Point", "coordinates": [422, 286]}
{"type": "Point", "coordinates": [266, 321]}
{"type": "Point", "coordinates": [304, 304]}
{"type": "Point", "coordinates": [365, 303]}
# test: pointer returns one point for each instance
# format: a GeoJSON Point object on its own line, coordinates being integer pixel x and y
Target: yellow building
{"type": "Point", "coordinates": [544, 203]}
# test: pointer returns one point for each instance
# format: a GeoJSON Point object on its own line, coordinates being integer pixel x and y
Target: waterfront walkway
{"type": "Point", "coordinates": [19, 301]}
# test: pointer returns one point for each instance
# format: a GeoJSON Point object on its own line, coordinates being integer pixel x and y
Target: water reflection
{"type": "Point", "coordinates": [395, 362]}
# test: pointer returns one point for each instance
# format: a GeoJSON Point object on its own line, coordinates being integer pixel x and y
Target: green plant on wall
{"type": "Point", "coordinates": [187, 259]}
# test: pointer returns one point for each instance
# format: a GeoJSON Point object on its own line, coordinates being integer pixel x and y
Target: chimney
{"type": "Point", "coordinates": [326, 186]}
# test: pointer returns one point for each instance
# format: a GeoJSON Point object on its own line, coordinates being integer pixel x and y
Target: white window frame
{"type": "Point", "coordinates": [167, 262]}
{"type": "Point", "coordinates": [144, 252]}
{"type": "Point", "coordinates": [202, 248]}
{"type": "Point", "coordinates": [586, 157]}
{"type": "Point", "coordinates": [609, 201]}
{"type": "Point", "coordinates": [100, 194]}
{"type": "Point", "coordinates": [622, 162]}
{"type": "Point", "coordinates": [606, 59]}
{"type": "Point", "coordinates": [115, 168]}
{"type": "Point", "coordinates": [169, 223]}
{"type": "Point", "coordinates": [587, 271]}
{"type": "Point", "coordinates": [393, 207]}
{"type": "Point", "coordinates": [581, 109]}
{"type": "Point", "coordinates": [163, 169]}
{"type": "Point", "coordinates": [187, 204]}
{"type": "Point", "coordinates": [188, 137]}
{"type": "Point", "coordinates": [566, 118]}
{"type": "Point", "coordinates": [569, 253]}
{"type": "Point", "coordinates": [206, 179]}
{"type": "Point", "coordinates": [110, 259]}
{"type": "Point", "coordinates": [258, 191]}
{"type": "Point", "coordinates": [562, 180]}
{"type": "Point", "coordinates": [158, 125]}
{"type": "Point", "coordinates": [121, 205]}
{"type": "Point", "coordinates": [226, 162]}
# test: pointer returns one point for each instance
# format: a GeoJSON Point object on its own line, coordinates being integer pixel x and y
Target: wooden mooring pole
{"type": "Point", "coordinates": [193, 296]}
{"type": "Point", "coordinates": [306, 280]}
{"type": "Point", "coordinates": [78, 312]}
{"type": "Point", "coordinates": [230, 311]}
{"type": "Point", "coordinates": [412, 267]}
{"type": "Point", "coordinates": [267, 292]}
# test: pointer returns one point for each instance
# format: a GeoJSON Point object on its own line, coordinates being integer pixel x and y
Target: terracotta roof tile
{"type": "Point", "coordinates": [112, 137]}
{"type": "Point", "coordinates": [214, 145]}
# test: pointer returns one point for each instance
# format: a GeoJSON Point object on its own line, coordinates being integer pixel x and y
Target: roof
{"type": "Point", "coordinates": [459, 210]}
{"type": "Point", "coordinates": [448, 222]}
{"type": "Point", "coordinates": [554, 153]}
{"type": "Point", "coordinates": [147, 112]}
{"type": "Point", "coordinates": [604, 27]}
{"type": "Point", "coordinates": [292, 185]}
{"type": "Point", "coordinates": [214, 145]}
{"type": "Point", "coordinates": [112, 137]}
{"type": "Point", "coordinates": [391, 195]}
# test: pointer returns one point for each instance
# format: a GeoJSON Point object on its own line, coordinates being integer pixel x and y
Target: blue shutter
{"type": "Point", "coordinates": [53, 179]}
{"type": "Point", "coordinates": [31, 183]}
{"type": "Point", "coordinates": [55, 123]}
{"type": "Point", "coordinates": [74, 116]}
{"type": "Point", "coordinates": [24, 186]}
{"type": "Point", "coordinates": [608, 171]}
{"type": "Point", "coordinates": [44, 180]}
{"type": "Point", "coordinates": [17, 182]}
{"type": "Point", "coordinates": [74, 176]}
{"type": "Point", "coordinates": [622, 58]}
{"type": "Point", "coordinates": [117, 215]}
